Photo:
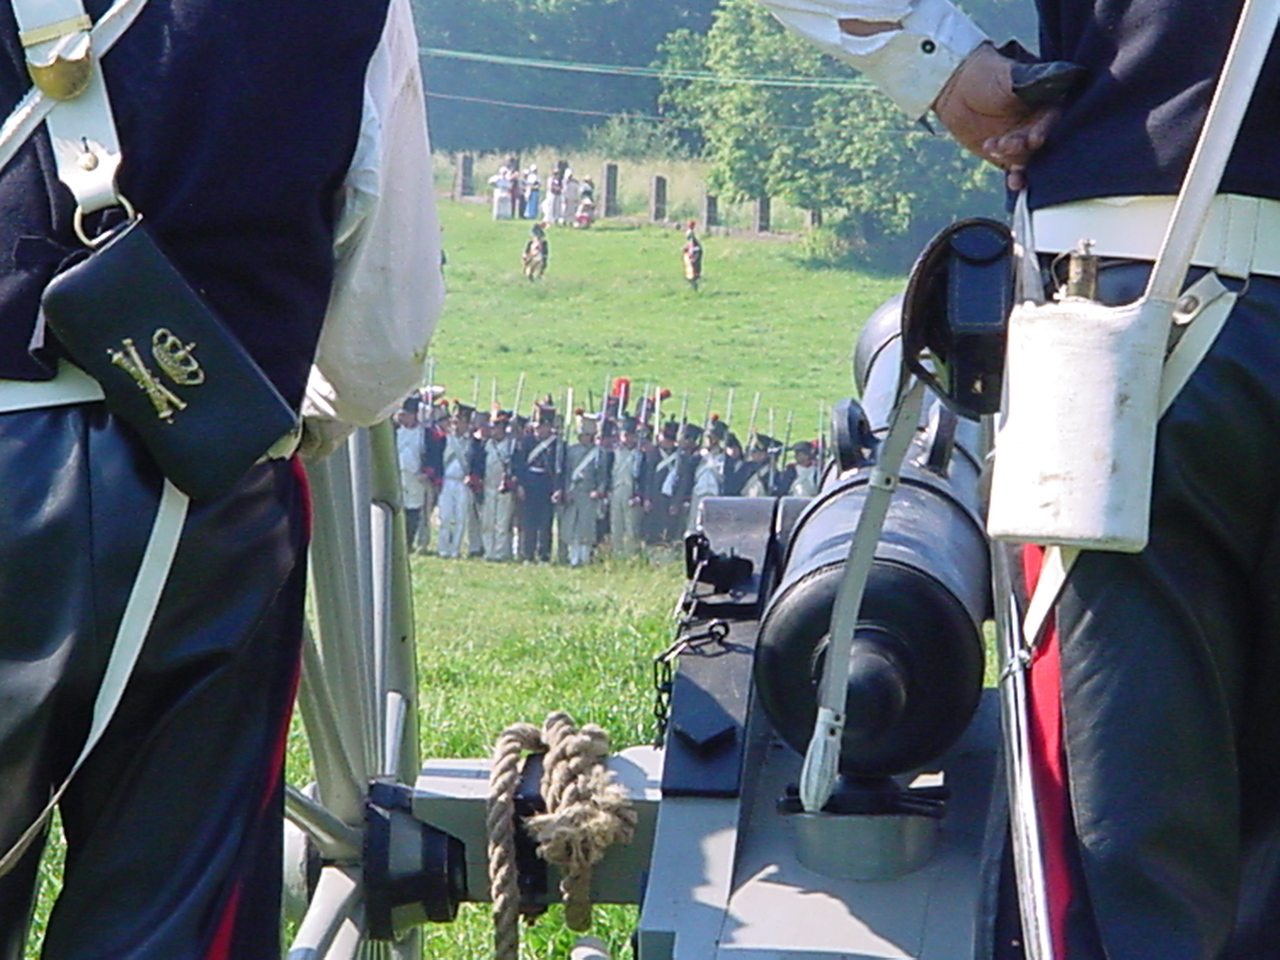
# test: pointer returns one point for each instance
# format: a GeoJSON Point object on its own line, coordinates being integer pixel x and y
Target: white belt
{"type": "Point", "coordinates": [71, 385]}
{"type": "Point", "coordinates": [1241, 234]}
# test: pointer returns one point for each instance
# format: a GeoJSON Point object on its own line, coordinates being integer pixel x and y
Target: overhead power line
{"type": "Point", "coordinates": [648, 73]}
{"type": "Point", "coordinates": [486, 101]}
{"type": "Point", "coordinates": [537, 106]}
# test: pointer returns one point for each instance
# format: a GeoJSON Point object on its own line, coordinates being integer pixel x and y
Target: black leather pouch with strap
{"type": "Point", "coordinates": [167, 365]}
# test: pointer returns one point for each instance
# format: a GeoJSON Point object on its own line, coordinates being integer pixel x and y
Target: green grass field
{"type": "Point", "coordinates": [614, 302]}
{"type": "Point", "coordinates": [504, 643]}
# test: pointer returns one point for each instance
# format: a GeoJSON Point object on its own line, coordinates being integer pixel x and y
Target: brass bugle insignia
{"type": "Point", "coordinates": [176, 358]}
{"type": "Point", "coordinates": [164, 400]}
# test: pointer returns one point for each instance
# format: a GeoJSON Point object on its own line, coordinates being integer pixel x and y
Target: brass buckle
{"type": "Point", "coordinates": [67, 72]}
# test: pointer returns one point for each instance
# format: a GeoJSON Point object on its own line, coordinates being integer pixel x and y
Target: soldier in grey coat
{"type": "Point", "coordinates": [585, 485]}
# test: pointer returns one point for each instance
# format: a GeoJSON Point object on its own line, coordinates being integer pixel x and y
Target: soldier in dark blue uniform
{"type": "Point", "coordinates": [659, 488]}
{"type": "Point", "coordinates": [239, 124]}
{"type": "Point", "coordinates": [538, 467]}
{"type": "Point", "coordinates": [1155, 700]}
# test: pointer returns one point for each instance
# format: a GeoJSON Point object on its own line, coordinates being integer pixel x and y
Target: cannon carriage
{"type": "Point", "coordinates": [725, 861]}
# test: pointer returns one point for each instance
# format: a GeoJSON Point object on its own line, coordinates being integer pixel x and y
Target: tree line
{"type": "Point", "coordinates": [837, 147]}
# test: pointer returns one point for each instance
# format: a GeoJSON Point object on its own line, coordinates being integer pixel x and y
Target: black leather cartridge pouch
{"type": "Point", "coordinates": [955, 314]}
{"type": "Point", "coordinates": [168, 366]}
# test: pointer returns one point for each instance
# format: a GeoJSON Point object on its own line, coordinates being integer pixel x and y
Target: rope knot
{"type": "Point", "coordinates": [587, 812]}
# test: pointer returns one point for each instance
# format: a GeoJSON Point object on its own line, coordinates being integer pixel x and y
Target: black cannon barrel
{"type": "Point", "coordinates": [917, 665]}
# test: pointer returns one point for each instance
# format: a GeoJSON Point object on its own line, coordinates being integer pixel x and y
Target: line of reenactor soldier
{"type": "Point", "coordinates": [559, 486]}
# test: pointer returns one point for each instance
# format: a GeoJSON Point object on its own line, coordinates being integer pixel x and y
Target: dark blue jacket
{"type": "Point", "coordinates": [1132, 127]}
{"type": "Point", "coordinates": [238, 119]}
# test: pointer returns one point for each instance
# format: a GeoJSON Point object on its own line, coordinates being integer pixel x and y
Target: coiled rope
{"type": "Point", "coordinates": [587, 812]}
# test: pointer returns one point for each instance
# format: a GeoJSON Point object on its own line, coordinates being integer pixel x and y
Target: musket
{"type": "Point", "coordinates": [755, 410]}
{"type": "Point", "coordinates": [431, 370]}
{"type": "Point", "coordinates": [515, 408]}
{"type": "Point", "coordinates": [475, 391]}
{"type": "Point", "coordinates": [684, 410]}
{"type": "Point", "coordinates": [728, 409]}
{"type": "Point", "coordinates": [706, 413]}
{"type": "Point", "coordinates": [771, 433]}
{"type": "Point", "coordinates": [822, 437]}
{"type": "Point", "coordinates": [786, 437]}
{"type": "Point", "coordinates": [563, 446]}
{"type": "Point", "coordinates": [493, 393]}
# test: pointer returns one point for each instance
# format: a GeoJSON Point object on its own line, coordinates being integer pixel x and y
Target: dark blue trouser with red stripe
{"type": "Point", "coordinates": [173, 823]}
{"type": "Point", "coordinates": [1156, 713]}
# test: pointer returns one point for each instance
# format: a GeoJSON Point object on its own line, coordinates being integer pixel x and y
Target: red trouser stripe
{"type": "Point", "coordinates": [1049, 763]}
{"type": "Point", "coordinates": [224, 938]}
{"type": "Point", "coordinates": [220, 948]}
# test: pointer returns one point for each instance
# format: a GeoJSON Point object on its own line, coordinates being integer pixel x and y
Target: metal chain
{"type": "Point", "coordinates": [713, 631]}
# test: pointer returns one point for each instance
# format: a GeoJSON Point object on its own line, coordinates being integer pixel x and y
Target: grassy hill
{"type": "Point", "coordinates": [500, 643]}
{"type": "Point", "coordinates": [614, 303]}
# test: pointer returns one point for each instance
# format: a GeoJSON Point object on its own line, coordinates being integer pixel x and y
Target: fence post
{"type": "Point", "coordinates": [762, 215]}
{"type": "Point", "coordinates": [658, 199]}
{"type": "Point", "coordinates": [464, 176]}
{"type": "Point", "coordinates": [813, 219]}
{"type": "Point", "coordinates": [610, 206]}
{"type": "Point", "coordinates": [711, 210]}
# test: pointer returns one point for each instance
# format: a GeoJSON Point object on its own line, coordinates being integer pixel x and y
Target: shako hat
{"type": "Point", "coordinates": [765, 443]}
{"type": "Point", "coordinates": [544, 412]}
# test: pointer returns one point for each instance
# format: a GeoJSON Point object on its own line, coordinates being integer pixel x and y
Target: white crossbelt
{"type": "Point", "coordinates": [71, 385]}
{"type": "Point", "coordinates": [1241, 235]}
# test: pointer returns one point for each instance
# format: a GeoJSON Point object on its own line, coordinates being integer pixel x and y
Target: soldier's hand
{"type": "Point", "coordinates": [557, 497]}
{"type": "Point", "coordinates": [320, 437]}
{"type": "Point", "coordinates": [978, 105]}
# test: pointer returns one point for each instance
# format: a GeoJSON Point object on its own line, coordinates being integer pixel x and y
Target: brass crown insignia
{"type": "Point", "coordinates": [176, 358]}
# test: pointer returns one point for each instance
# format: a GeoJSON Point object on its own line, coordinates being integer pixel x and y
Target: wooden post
{"type": "Point", "coordinates": [762, 215]}
{"type": "Point", "coordinates": [813, 219]}
{"type": "Point", "coordinates": [658, 199]}
{"type": "Point", "coordinates": [610, 184]}
{"type": "Point", "coordinates": [711, 210]}
{"type": "Point", "coordinates": [464, 176]}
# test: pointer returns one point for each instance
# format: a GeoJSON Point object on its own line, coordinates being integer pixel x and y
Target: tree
{"type": "Point", "coordinates": [465, 97]}
{"type": "Point", "coordinates": [838, 145]}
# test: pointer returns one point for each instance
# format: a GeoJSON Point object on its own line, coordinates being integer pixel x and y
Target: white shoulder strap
{"type": "Point", "coordinates": [63, 49]}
